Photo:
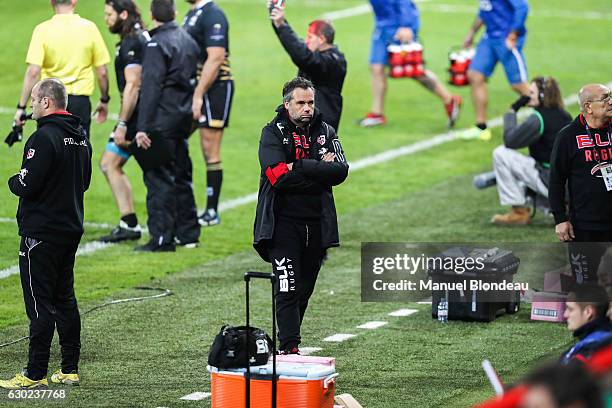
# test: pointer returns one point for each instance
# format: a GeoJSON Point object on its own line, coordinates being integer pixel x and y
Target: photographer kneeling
{"type": "Point", "coordinates": [515, 172]}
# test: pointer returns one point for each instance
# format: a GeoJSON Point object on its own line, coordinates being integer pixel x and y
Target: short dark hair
{"type": "Point", "coordinates": [55, 90]}
{"type": "Point", "coordinates": [163, 10]}
{"type": "Point", "coordinates": [297, 82]}
{"type": "Point", "coordinates": [60, 2]}
{"type": "Point", "coordinates": [324, 28]}
{"type": "Point", "coordinates": [589, 294]}
{"type": "Point", "coordinates": [568, 384]}
{"type": "Point", "coordinates": [134, 19]}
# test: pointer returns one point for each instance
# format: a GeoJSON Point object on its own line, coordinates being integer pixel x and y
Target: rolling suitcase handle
{"type": "Point", "coordinates": [247, 279]}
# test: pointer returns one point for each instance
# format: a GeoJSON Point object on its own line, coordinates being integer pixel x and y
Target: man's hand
{"type": "Point", "coordinates": [329, 157]}
{"type": "Point", "coordinates": [468, 41]}
{"type": "Point", "coordinates": [142, 140]}
{"type": "Point", "coordinates": [404, 35]}
{"type": "Point", "coordinates": [196, 107]}
{"type": "Point", "coordinates": [277, 15]}
{"type": "Point", "coordinates": [101, 112]}
{"type": "Point", "coordinates": [119, 137]}
{"type": "Point", "coordinates": [511, 40]}
{"type": "Point", "coordinates": [18, 116]}
{"type": "Point", "coordinates": [565, 231]}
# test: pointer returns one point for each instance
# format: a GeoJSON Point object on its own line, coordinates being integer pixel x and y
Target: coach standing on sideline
{"type": "Point", "coordinates": [318, 60]}
{"type": "Point", "coordinates": [69, 48]}
{"type": "Point", "coordinates": [212, 99]}
{"type": "Point", "coordinates": [301, 159]}
{"type": "Point", "coordinates": [168, 79]}
{"type": "Point", "coordinates": [54, 176]}
{"type": "Point", "coordinates": [581, 157]}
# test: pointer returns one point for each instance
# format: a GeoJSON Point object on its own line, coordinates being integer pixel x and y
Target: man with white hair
{"type": "Point", "coordinates": [582, 158]}
{"type": "Point", "coordinates": [54, 175]}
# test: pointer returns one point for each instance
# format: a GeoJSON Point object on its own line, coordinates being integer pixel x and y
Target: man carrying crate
{"type": "Point", "coordinates": [301, 159]}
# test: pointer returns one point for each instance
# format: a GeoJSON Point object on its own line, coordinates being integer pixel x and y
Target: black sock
{"type": "Point", "coordinates": [130, 220]}
{"type": "Point", "coordinates": [214, 179]}
{"type": "Point", "coordinates": [481, 126]}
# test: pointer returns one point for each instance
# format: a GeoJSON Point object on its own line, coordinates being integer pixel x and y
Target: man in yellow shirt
{"type": "Point", "coordinates": [71, 49]}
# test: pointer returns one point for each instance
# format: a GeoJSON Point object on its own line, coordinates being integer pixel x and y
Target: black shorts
{"type": "Point", "coordinates": [217, 105]}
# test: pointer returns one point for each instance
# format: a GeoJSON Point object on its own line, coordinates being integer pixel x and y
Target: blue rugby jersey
{"type": "Point", "coordinates": [502, 16]}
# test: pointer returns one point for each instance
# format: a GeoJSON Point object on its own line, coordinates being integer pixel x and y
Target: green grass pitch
{"type": "Point", "coordinates": [149, 354]}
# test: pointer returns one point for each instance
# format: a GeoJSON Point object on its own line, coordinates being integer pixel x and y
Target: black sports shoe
{"type": "Point", "coordinates": [122, 233]}
{"type": "Point", "coordinates": [289, 350]}
{"type": "Point", "coordinates": [209, 218]}
{"type": "Point", "coordinates": [152, 246]}
{"type": "Point", "coordinates": [187, 245]}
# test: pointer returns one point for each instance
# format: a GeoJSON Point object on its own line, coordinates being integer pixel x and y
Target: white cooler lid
{"type": "Point", "coordinates": [303, 371]}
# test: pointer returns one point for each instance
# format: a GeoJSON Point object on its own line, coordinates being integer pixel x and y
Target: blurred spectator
{"type": "Point", "coordinates": [586, 315]}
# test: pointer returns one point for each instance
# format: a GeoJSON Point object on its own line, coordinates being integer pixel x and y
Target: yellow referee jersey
{"type": "Point", "coordinates": [68, 47]}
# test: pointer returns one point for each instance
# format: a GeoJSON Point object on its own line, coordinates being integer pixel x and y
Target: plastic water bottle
{"type": "Point", "coordinates": [443, 311]}
{"type": "Point", "coordinates": [484, 180]}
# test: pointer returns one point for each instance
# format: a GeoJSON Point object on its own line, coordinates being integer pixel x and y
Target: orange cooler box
{"type": "Point", "coordinates": [299, 386]}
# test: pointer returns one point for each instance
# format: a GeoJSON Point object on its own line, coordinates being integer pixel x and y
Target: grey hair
{"type": "Point", "coordinates": [291, 86]}
{"type": "Point", "coordinates": [55, 90]}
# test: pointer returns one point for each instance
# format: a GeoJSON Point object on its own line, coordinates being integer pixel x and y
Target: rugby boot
{"type": "Point", "coordinates": [21, 382]}
{"type": "Point", "coordinates": [59, 377]}
{"type": "Point", "coordinates": [372, 119]}
{"type": "Point", "coordinates": [122, 233]}
{"type": "Point", "coordinates": [516, 216]}
{"type": "Point", "coordinates": [453, 109]}
{"type": "Point", "coordinates": [289, 350]}
{"type": "Point", "coordinates": [152, 246]}
{"type": "Point", "coordinates": [475, 133]}
{"type": "Point", "coordinates": [209, 218]}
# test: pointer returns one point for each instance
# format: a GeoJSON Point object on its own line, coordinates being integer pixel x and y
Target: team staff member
{"type": "Point", "coordinates": [69, 48]}
{"type": "Point", "coordinates": [586, 314]}
{"type": "Point", "coordinates": [515, 171]}
{"type": "Point", "coordinates": [581, 157]}
{"type": "Point", "coordinates": [398, 21]}
{"type": "Point", "coordinates": [503, 42]}
{"type": "Point", "coordinates": [212, 99]}
{"type": "Point", "coordinates": [123, 17]}
{"type": "Point", "coordinates": [168, 77]}
{"type": "Point", "coordinates": [54, 176]}
{"type": "Point", "coordinates": [301, 159]}
{"type": "Point", "coordinates": [318, 60]}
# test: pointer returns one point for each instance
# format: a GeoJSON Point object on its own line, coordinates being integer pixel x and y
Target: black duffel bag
{"type": "Point", "coordinates": [229, 349]}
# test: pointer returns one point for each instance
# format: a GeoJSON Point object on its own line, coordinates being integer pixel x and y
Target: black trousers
{"type": "Point", "coordinates": [47, 280]}
{"type": "Point", "coordinates": [585, 253]}
{"type": "Point", "coordinates": [296, 254]}
{"type": "Point", "coordinates": [80, 106]}
{"type": "Point", "coordinates": [171, 204]}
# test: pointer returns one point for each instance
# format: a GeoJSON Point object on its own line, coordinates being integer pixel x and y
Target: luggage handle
{"type": "Point", "coordinates": [330, 379]}
{"type": "Point", "coordinates": [247, 278]}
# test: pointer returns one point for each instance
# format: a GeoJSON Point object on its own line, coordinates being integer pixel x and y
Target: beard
{"type": "Point", "coordinates": [117, 27]}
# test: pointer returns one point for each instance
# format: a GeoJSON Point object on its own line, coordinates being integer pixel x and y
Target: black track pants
{"type": "Point", "coordinates": [296, 254]}
{"type": "Point", "coordinates": [585, 253]}
{"type": "Point", "coordinates": [47, 279]}
{"type": "Point", "coordinates": [170, 202]}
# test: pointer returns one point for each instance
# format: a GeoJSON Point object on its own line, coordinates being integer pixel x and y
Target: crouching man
{"type": "Point", "coordinates": [54, 176]}
{"type": "Point", "coordinates": [301, 159]}
{"type": "Point", "coordinates": [514, 171]}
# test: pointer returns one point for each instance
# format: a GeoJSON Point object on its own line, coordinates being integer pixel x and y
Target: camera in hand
{"type": "Point", "coordinates": [16, 133]}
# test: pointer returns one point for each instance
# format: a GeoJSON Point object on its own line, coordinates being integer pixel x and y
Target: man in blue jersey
{"type": "Point", "coordinates": [502, 42]}
{"type": "Point", "coordinates": [397, 21]}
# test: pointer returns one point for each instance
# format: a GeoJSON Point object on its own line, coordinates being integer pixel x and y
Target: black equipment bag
{"type": "Point", "coordinates": [272, 279]}
{"type": "Point", "coordinates": [479, 305]}
{"type": "Point", "coordinates": [230, 350]}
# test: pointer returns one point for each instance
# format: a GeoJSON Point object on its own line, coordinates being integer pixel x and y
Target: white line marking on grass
{"type": "Point", "coordinates": [372, 325]}
{"type": "Point", "coordinates": [424, 302]}
{"type": "Point", "coordinates": [339, 338]}
{"type": "Point", "coordinates": [86, 249]}
{"type": "Point", "coordinates": [403, 312]}
{"type": "Point", "coordinates": [196, 396]}
{"type": "Point", "coordinates": [353, 11]}
{"type": "Point", "coordinates": [585, 15]}
{"type": "Point", "coordinates": [306, 351]}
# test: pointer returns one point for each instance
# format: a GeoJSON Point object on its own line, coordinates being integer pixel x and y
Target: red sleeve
{"type": "Point", "coordinates": [273, 173]}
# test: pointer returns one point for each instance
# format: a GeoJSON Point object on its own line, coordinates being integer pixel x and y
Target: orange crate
{"type": "Point", "coordinates": [299, 386]}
